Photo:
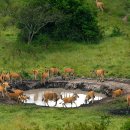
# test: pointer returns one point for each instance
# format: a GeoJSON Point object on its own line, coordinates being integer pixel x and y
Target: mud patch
{"type": "Point", "coordinates": [121, 112]}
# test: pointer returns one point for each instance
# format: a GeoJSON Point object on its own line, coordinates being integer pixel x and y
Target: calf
{"type": "Point", "coordinates": [14, 94]}
{"type": "Point", "coordinates": [117, 93]}
{"type": "Point", "coordinates": [23, 98]}
{"type": "Point", "coordinates": [100, 5]}
{"type": "Point", "coordinates": [15, 76]}
{"type": "Point", "coordinates": [6, 77]}
{"type": "Point", "coordinates": [90, 95]}
{"type": "Point", "coordinates": [69, 72]}
{"type": "Point", "coordinates": [71, 99]}
{"type": "Point", "coordinates": [45, 76]}
{"type": "Point", "coordinates": [3, 88]}
{"type": "Point", "coordinates": [128, 101]}
{"type": "Point", "coordinates": [18, 91]}
{"type": "Point", "coordinates": [35, 73]}
{"type": "Point", "coordinates": [1, 79]}
{"type": "Point", "coordinates": [49, 95]}
{"type": "Point", "coordinates": [54, 71]}
{"type": "Point", "coordinates": [100, 74]}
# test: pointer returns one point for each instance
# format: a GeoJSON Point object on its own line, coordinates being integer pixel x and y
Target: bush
{"type": "Point", "coordinates": [116, 32]}
{"type": "Point", "coordinates": [60, 20]}
{"type": "Point", "coordinates": [43, 40]}
{"type": "Point", "coordinates": [126, 126]}
{"type": "Point", "coordinates": [79, 22]}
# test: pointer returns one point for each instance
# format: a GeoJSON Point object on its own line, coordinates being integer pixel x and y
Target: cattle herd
{"type": "Point", "coordinates": [9, 92]}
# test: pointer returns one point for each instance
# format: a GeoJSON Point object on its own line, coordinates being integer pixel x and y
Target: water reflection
{"type": "Point", "coordinates": [37, 99]}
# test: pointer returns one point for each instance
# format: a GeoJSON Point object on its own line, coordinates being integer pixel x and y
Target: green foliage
{"type": "Point", "coordinates": [126, 125]}
{"type": "Point", "coordinates": [43, 40]}
{"type": "Point", "coordinates": [128, 18]}
{"type": "Point", "coordinates": [116, 32]}
{"type": "Point", "coordinates": [33, 17]}
{"type": "Point", "coordinates": [70, 20]}
{"type": "Point", "coordinates": [79, 22]}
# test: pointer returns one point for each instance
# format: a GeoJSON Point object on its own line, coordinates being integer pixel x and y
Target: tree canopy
{"type": "Point", "coordinates": [59, 19]}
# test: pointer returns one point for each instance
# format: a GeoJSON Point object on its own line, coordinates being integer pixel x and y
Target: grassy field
{"type": "Point", "coordinates": [18, 117]}
{"type": "Point", "coordinates": [112, 54]}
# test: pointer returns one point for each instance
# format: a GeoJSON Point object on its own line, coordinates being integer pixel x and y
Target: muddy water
{"type": "Point", "coordinates": [37, 94]}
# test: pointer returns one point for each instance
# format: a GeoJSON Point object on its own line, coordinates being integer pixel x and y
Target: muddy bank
{"type": "Point", "coordinates": [79, 83]}
{"type": "Point", "coordinates": [120, 112]}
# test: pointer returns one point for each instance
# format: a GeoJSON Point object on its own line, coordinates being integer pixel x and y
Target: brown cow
{"type": "Point", "coordinates": [1, 79]}
{"type": "Point", "coordinates": [15, 76]}
{"type": "Point", "coordinates": [100, 5]}
{"type": "Point", "coordinates": [117, 93]}
{"type": "Point", "coordinates": [69, 72]}
{"type": "Point", "coordinates": [14, 94]}
{"type": "Point", "coordinates": [100, 73]}
{"type": "Point", "coordinates": [54, 71]}
{"type": "Point", "coordinates": [2, 88]}
{"type": "Point", "coordinates": [71, 99]}
{"type": "Point", "coordinates": [90, 95]}
{"type": "Point", "coordinates": [45, 76]}
{"type": "Point", "coordinates": [49, 95]}
{"type": "Point", "coordinates": [6, 77]}
{"type": "Point", "coordinates": [35, 74]}
{"type": "Point", "coordinates": [23, 98]}
{"type": "Point", "coordinates": [128, 101]}
{"type": "Point", "coordinates": [18, 91]}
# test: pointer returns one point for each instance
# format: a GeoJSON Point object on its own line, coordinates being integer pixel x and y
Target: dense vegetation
{"type": "Point", "coordinates": [60, 20]}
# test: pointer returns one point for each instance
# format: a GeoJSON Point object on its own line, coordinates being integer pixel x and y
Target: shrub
{"type": "Point", "coordinates": [61, 20]}
{"type": "Point", "coordinates": [79, 22]}
{"type": "Point", "coordinates": [116, 32]}
{"type": "Point", "coordinates": [126, 126]}
{"type": "Point", "coordinates": [43, 40]}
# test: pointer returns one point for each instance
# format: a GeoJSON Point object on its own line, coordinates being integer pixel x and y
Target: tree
{"type": "Point", "coordinates": [34, 16]}
{"type": "Point", "coordinates": [79, 21]}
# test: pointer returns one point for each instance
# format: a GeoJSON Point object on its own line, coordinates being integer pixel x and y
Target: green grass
{"type": "Point", "coordinates": [111, 54]}
{"type": "Point", "coordinates": [18, 117]}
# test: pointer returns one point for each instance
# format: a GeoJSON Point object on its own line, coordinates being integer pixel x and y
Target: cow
{"type": "Point", "coordinates": [100, 73]}
{"type": "Point", "coordinates": [2, 88]}
{"type": "Point", "coordinates": [54, 71]}
{"type": "Point", "coordinates": [6, 77]}
{"type": "Point", "coordinates": [117, 93]}
{"type": "Point", "coordinates": [69, 72]}
{"type": "Point", "coordinates": [90, 95]}
{"type": "Point", "coordinates": [100, 5]}
{"type": "Point", "coordinates": [49, 95]}
{"type": "Point", "coordinates": [14, 94]}
{"type": "Point", "coordinates": [35, 74]}
{"type": "Point", "coordinates": [23, 98]}
{"type": "Point", "coordinates": [14, 75]}
{"type": "Point", "coordinates": [128, 101]}
{"type": "Point", "coordinates": [45, 76]}
{"type": "Point", "coordinates": [71, 99]}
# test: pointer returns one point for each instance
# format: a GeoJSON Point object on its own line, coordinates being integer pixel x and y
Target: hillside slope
{"type": "Point", "coordinates": [112, 53]}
